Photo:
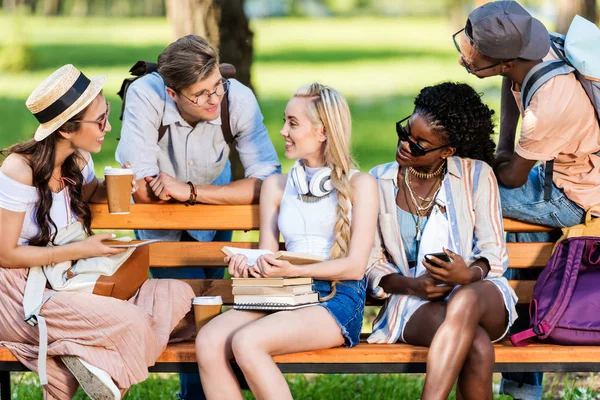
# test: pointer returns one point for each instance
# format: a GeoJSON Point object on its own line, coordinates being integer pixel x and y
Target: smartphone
{"type": "Point", "coordinates": [442, 256]}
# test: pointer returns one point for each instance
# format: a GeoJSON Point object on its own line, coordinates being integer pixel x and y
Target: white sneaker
{"type": "Point", "coordinates": [95, 382]}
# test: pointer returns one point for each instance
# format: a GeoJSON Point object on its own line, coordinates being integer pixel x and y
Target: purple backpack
{"type": "Point", "coordinates": [565, 308]}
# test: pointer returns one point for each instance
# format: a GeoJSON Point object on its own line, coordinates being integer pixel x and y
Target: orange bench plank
{"type": "Point", "coordinates": [177, 216]}
{"type": "Point", "coordinates": [394, 353]}
{"type": "Point", "coordinates": [201, 216]}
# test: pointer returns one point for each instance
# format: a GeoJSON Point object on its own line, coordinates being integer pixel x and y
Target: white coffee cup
{"type": "Point", "coordinates": [118, 189]}
{"type": "Point", "coordinates": [205, 309]}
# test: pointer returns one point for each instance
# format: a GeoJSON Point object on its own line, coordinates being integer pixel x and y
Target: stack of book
{"type": "Point", "coordinates": [273, 294]}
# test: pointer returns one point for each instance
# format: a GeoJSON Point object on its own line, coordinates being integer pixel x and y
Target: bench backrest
{"type": "Point", "coordinates": [246, 218]}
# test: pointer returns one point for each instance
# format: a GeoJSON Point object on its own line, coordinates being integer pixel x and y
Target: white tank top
{"type": "Point", "coordinates": [308, 227]}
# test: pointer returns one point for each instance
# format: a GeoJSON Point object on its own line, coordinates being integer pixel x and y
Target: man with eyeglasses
{"type": "Point", "coordinates": [172, 137]}
{"type": "Point", "coordinates": [559, 124]}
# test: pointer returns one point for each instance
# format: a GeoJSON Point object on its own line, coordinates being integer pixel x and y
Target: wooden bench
{"type": "Point", "coordinates": [364, 358]}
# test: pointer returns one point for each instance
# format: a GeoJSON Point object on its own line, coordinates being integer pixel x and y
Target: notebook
{"type": "Point", "coordinates": [269, 307]}
{"type": "Point", "coordinates": [253, 254]}
{"type": "Point", "coordinates": [275, 303]}
{"type": "Point", "coordinates": [292, 299]}
{"type": "Point", "coordinates": [275, 282]}
{"type": "Point", "coordinates": [272, 290]}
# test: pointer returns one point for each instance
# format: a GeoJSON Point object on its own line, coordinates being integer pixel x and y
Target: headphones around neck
{"type": "Point", "coordinates": [320, 184]}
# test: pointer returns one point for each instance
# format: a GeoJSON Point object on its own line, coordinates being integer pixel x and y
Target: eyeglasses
{"type": "Point", "coordinates": [101, 123]}
{"type": "Point", "coordinates": [415, 148]}
{"type": "Point", "coordinates": [464, 62]}
{"type": "Point", "coordinates": [203, 99]}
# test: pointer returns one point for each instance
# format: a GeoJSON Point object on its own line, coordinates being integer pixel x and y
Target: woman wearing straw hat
{"type": "Point", "coordinates": [103, 343]}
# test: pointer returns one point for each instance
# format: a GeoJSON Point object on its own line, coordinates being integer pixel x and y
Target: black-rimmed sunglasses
{"type": "Point", "coordinates": [464, 62]}
{"type": "Point", "coordinates": [415, 148]}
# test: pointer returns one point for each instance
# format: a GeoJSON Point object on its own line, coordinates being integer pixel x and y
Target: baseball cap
{"type": "Point", "coordinates": [504, 30]}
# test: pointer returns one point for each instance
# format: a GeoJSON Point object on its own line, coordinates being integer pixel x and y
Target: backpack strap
{"type": "Point", "coordinates": [541, 74]}
{"type": "Point", "coordinates": [161, 132]}
{"type": "Point", "coordinates": [536, 78]}
{"type": "Point", "coordinates": [227, 71]}
{"type": "Point", "coordinates": [225, 124]}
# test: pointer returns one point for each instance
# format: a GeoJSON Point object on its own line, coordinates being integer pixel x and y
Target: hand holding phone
{"type": "Point", "coordinates": [441, 255]}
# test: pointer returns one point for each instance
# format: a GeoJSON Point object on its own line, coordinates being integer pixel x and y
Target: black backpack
{"type": "Point", "coordinates": [142, 68]}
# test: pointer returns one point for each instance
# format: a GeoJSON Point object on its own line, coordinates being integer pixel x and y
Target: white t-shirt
{"type": "Point", "coordinates": [15, 196]}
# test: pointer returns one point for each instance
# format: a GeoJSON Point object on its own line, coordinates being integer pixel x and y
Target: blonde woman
{"type": "Point", "coordinates": [331, 219]}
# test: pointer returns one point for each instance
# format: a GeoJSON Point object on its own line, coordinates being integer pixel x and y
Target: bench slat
{"type": "Point", "coordinates": [512, 225]}
{"type": "Point", "coordinates": [529, 255]}
{"type": "Point", "coordinates": [201, 216]}
{"type": "Point", "coordinates": [222, 287]}
{"type": "Point", "coordinates": [177, 216]}
{"type": "Point", "coordinates": [393, 353]}
{"type": "Point", "coordinates": [208, 254]}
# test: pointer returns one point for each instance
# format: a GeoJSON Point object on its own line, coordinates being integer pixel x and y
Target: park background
{"type": "Point", "coordinates": [378, 53]}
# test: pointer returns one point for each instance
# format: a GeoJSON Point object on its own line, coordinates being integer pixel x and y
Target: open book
{"type": "Point", "coordinates": [253, 254]}
{"type": "Point", "coordinates": [127, 242]}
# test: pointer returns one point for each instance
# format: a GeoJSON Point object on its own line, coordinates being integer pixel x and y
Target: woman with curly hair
{"type": "Point", "coordinates": [441, 196]}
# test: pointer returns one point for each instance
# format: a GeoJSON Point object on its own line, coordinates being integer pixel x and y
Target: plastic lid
{"type": "Point", "coordinates": [117, 171]}
{"type": "Point", "coordinates": [207, 300]}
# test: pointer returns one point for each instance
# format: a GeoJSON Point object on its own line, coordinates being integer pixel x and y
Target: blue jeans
{"type": "Point", "coordinates": [526, 203]}
{"type": "Point", "coordinates": [190, 386]}
{"type": "Point", "coordinates": [189, 383]}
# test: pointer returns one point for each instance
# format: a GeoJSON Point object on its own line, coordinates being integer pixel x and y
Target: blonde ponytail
{"type": "Point", "coordinates": [330, 110]}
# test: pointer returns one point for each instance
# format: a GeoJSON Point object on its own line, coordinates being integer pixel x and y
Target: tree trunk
{"type": "Point", "coordinates": [223, 23]}
{"type": "Point", "coordinates": [10, 5]}
{"type": "Point", "coordinates": [568, 8]}
{"type": "Point", "coordinates": [51, 7]}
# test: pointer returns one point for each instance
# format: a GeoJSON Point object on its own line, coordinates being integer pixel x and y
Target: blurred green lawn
{"type": "Point", "coordinates": [379, 64]}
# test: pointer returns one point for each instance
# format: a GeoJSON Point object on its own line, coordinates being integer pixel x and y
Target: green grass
{"type": "Point", "coordinates": [379, 64]}
{"type": "Point", "coordinates": [331, 387]}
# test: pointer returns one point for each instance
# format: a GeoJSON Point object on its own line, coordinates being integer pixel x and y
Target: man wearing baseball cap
{"type": "Point", "coordinates": [558, 124]}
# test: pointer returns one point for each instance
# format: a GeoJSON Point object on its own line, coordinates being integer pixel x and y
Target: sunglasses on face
{"type": "Point", "coordinates": [464, 62]}
{"type": "Point", "coordinates": [415, 148]}
{"type": "Point", "coordinates": [102, 123]}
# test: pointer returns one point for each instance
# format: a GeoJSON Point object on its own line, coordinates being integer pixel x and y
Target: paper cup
{"type": "Point", "coordinates": [118, 189]}
{"type": "Point", "coordinates": [205, 309]}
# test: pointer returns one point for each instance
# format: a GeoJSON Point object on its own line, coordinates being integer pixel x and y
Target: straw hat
{"type": "Point", "coordinates": [60, 97]}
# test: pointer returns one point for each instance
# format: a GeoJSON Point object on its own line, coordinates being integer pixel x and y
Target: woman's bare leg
{"type": "Point", "coordinates": [476, 376]}
{"type": "Point", "coordinates": [473, 305]}
{"type": "Point", "coordinates": [213, 352]}
{"type": "Point", "coordinates": [285, 332]}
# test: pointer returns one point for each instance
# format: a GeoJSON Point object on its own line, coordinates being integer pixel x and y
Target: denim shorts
{"type": "Point", "coordinates": [346, 307]}
{"type": "Point", "coordinates": [527, 203]}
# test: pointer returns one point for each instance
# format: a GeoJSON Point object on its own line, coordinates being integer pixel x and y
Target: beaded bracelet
{"type": "Point", "coordinates": [193, 194]}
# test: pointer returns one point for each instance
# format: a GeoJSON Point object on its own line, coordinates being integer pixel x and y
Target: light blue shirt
{"type": "Point", "coordinates": [198, 154]}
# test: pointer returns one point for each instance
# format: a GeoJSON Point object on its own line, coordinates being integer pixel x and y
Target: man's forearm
{"type": "Point", "coordinates": [244, 191]}
{"type": "Point", "coordinates": [144, 195]}
{"type": "Point", "coordinates": [509, 119]}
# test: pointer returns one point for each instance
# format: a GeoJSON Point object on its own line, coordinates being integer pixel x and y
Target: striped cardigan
{"type": "Point", "coordinates": [475, 220]}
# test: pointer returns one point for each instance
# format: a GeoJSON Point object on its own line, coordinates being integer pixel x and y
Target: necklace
{"type": "Point", "coordinates": [425, 175]}
{"type": "Point", "coordinates": [415, 193]}
{"type": "Point", "coordinates": [417, 213]}
{"type": "Point", "coordinates": [422, 207]}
